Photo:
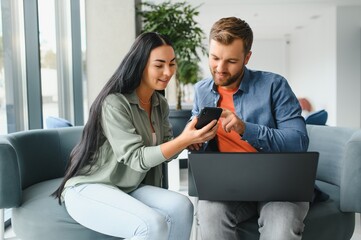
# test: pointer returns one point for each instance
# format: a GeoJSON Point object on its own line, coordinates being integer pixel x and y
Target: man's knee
{"type": "Point", "coordinates": [209, 211]}
{"type": "Point", "coordinates": [282, 220]}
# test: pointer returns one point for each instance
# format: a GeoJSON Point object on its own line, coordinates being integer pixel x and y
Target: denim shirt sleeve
{"type": "Point", "coordinates": [280, 127]}
{"type": "Point", "coordinates": [283, 139]}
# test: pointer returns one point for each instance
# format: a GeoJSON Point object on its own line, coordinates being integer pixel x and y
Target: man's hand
{"type": "Point", "coordinates": [230, 121]}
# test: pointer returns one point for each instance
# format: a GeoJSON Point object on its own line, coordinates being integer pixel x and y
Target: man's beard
{"type": "Point", "coordinates": [229, 81]}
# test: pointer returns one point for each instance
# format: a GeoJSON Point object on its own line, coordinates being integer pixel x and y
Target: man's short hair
{"type": "Point", "coordinates": [226, 30]}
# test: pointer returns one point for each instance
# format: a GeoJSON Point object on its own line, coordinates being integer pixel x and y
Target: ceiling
{"type": "Point", "coordinates": [268, 18]}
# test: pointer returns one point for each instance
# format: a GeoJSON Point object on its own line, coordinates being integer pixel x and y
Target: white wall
{"type": "Point", "coordinates": [270, 55]}
{"type": "Point", "coordinates": [110, 31]}
{"type": "Point", "coordinates": [312, 71]}
{"type": "Point", "coordinates": [325, 60]}
{"type": "Point", "coordinates": [348, 66]}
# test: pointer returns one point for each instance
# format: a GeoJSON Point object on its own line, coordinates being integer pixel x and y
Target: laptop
{"type": "Point", "coordinates": [252, 176]}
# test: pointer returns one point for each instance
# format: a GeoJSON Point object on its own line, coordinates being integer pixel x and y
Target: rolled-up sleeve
{"type": "Point", "coordinates": [287, 128]}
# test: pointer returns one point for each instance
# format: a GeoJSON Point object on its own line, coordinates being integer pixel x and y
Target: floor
{"type": "Point", "coordinates": [357, 233]}
{"type": "Point", "coordinates": [183, 187]}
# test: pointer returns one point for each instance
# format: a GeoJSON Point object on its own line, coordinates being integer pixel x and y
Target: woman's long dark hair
{"type": "Point", "coordinates": [126, 79]}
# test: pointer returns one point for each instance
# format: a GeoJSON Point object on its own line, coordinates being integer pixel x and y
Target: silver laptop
{"type": "Point", "coordinates": [252, 176]}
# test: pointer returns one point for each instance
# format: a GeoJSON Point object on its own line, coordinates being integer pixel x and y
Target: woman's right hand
{"type": "Point", "coordinates": [198, 136]}
{"type": "Point", "coordinates": [190, 138]}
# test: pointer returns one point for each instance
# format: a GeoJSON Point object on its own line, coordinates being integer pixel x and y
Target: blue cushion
{"type": "Point", "coordinates": [56, 122]}
{"type": "Point", "coordinates": [317, 118]}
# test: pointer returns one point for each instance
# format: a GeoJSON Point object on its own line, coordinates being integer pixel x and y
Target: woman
{"type": "Point", "coordinates": [112, 183]}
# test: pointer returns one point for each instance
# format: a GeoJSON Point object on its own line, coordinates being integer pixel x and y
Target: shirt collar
{"type": "Point", "coordinates": [244, 86]}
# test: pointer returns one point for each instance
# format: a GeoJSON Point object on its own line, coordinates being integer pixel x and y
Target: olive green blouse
{"type": "Point", "coordinates": [128, 157]}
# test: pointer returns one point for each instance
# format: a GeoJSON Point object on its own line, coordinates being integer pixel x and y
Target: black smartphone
{"type": "Point", "coordinates": [207, 115]}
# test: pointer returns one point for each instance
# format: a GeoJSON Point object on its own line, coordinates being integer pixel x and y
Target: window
{"type": "Point", "coordinates": [12, 84]}
{"type": "Point", "coordinates": [48, 58]}
{"type": "Point", "coordinates": [42, 74]}
{"type": "Point", "coordinates": [3, 119]}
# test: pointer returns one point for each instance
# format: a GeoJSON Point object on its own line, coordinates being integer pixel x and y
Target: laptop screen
{"type": "Point", "coordinates": [252, 176]}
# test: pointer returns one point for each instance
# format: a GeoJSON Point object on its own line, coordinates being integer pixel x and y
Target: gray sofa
{"type": "Point", "coordinates": [338, 175]}
{"type": "Point", "coordinates": [33, 162]}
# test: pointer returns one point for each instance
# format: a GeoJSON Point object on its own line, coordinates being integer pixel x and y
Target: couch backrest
{"type": "Point", "coordinates": [33, 156]}
{"type": "Point", "coordinates": [334, 145]}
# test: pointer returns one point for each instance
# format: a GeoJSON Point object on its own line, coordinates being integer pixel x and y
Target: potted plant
{"type": "Point", "coordinates": [176, 20]}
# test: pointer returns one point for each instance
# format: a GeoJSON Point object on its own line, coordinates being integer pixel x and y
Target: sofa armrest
{"type": "Point", "coordinates": [351, 175]}
{"type": "Point", "coordinates": [10, 185]}
{"type": "Point", "coordinates": [32, 156]}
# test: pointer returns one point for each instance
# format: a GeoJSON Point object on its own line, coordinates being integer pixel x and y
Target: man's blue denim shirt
{"type": "Point", "coordinates": [269, 108]}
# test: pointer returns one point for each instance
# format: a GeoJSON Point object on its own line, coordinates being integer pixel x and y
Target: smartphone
{"type": "Point", "coordinates": [207, 115]}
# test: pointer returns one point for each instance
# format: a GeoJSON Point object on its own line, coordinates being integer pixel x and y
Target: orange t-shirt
{"type": "Point", "coordinates": [232, 141]}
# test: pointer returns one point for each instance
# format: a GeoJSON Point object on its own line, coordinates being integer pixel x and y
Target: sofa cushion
{"type": "Point", "coordinates": [331, 143]}
{"type": "Point", "coordinates": [42, 212]}
{"type": "Point", "coordinates": [324, 221]}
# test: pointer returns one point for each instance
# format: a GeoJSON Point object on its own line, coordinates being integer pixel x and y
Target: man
{"type": "Point", "coordinates": [260, 113]}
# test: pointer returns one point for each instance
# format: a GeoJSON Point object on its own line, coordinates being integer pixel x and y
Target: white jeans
{"type": "Point", "coordinates": [146, 213]}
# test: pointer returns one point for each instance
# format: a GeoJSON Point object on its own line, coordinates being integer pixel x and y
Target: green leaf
{"type": "Point", "coordinates": [177, 21]}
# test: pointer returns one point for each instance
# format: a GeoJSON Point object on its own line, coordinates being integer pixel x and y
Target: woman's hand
{"type": "Point", "coordinates": [198, 137]}
{"type": "Point", "coordinates": [190, 137]}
